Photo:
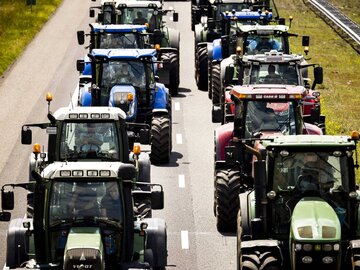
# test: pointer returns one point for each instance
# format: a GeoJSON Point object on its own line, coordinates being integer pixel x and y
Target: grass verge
{"type": "Point", "coordinates": [18, 26]}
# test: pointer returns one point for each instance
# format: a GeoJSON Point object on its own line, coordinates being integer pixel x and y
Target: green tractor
{"type": "Point", "coordinates": [83, 219]}
{"type": "Point", "coordinates": [303, 212]}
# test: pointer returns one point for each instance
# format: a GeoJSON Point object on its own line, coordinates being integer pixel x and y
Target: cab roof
{"type": "Point", "coordinates": [274, 57]}
{"type": "Point", "coordinates": [90, 113]}
{"type": "Point", "coordinates": [103, 2]}
{"type": "Point", "coordinates": [124, 53]}
{"type": "Point", "coordinates": [269, 91]}
{"type": "Point", "coordinates": [139, 4]}
{"type": "Point", "coordinates": [234, 1]}
{"type": "Point", "coordinates": [311, 141]}
{"type": "Point", "coordinates": [264, 29]}
{"type": "Point", "coordinates": [118, 28]}
{"type": "Point", "coordinates": [80, 170]}
{"type": "Point", "coordinates": [246, 15]}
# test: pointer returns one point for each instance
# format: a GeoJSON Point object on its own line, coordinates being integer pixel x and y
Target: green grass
{"type": "Point", "coordinates": [340, 92]}
{"type": "Point", "coordinates": [349, 7]}
{"type": "Point", "coordinates": [18, 26]}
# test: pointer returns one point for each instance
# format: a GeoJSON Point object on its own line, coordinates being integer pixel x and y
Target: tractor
{"type": "Point", "coordinates": [86, 134]}
{"type": "Point", "coordinates": [216, 23]}
{"type": "Point", "coordinates": [274, 68]}
{"type": "Point", "coordinates": [303, 212]}
{"type": "Point", "coordinates": [113, 36]}
{"type": "Point", "coordinates": [83, 219]}
{"type": "Point", "coordinates": [259, 112]}
{"type": "Point", "coordinates": [107, 13]}
{"type": "Point", "coordinates": [242, 40]}
{"type": "Point", "coordinates": [125, 78]}
{"type": "Point", "coordinates": [165, 39]}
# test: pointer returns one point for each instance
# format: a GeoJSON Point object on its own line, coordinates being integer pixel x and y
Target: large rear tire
{"type": "Point", "coordinates": [174, 79]}
{"type": "Point", "coordinates": [202, 68]}
{"type": "Point", "coordinates": [216, 84]}
{"type": "Point", "coordinates": [227, 189]}
{"type": "Point", "coordinates": [209, 80]}
{"type": "Point", "coordinates": [257, 259]}
{"type": "Point", "coordinates": [160, 139]}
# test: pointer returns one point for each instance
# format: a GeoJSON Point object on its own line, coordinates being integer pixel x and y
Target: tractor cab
{"type": "Point", "coordinates": [115, 36]}
{"type": "Point", "coordinates": [83, 216]}
{"type": "Point", "coordinates": [311, 209]}
{"type": "Point", "coordinates": [107, 12]}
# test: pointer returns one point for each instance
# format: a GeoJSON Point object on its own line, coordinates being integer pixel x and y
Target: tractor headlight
{"type": "Point", "coordinates": [327, 260]}
{"type": "Point", "coordinates": [298, 247]}
{"type": "Point", "coordinates": [307, 259]}
{"type": "Point", "coordinates": [307, 247]}
{"type": "Point", "coordinates": [327, 247]}
{"type": "Point", "coordinates": [336, 247]}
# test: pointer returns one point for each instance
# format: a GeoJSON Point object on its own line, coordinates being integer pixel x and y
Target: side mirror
{"type": "Point", "coordinates": [229, 75]}
{"type": "Point", "coordinates": [157, 200]}
{"type": "Point", "coordinates": [318, 75]}
{"type": "Point", "coordinates": [157, 36]}
{"type": "Point", "coordinates": [175, 17]}
{"type": "Point", "coordinates": [305, 41]}
{"type": "Point", "coordinates": [5, 216]}
{"type": "Point", "coordinates": [80, 65]}
{"type": "Point", "coordinates": [26, 136]}
{"type": "Point", "coordinates": [91, 13]}
{"type": "Point", "coordinates": [127, 171]}
{"type": "Point", "coordinates": [81, 37]}
{"type": "Point", "coordinates": [7, 200]}
{"type": "Point", "coordinates": [144, 136]}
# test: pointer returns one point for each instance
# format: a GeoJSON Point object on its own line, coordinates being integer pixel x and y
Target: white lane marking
{"type": "Point", "coordinates": [177, 106]}
{"type": "Point", "coordinates": [178, 138]}
{"type": "Point", "coordinates": [181, 181]}
{"type": "Point", "coordinates": [184, 239]}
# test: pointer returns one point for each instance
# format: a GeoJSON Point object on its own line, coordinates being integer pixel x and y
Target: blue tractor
{"type": "Point", "coordinates": [125, 78]}
{"type": "Point", "coordinates": [113, 36]}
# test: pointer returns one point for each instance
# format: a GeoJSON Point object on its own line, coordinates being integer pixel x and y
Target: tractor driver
{"type": "Point", "coordinates": [140, 18]}
{"type": "Point", "coordinates": [90, 139]}
{"type": "Point", "coordinates": [272, 77]}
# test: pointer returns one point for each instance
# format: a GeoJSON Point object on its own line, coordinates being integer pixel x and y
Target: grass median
{"type": "Point", "coordinates": [19, 24]}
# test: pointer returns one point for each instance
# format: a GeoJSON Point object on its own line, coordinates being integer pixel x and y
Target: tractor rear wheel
{"type": "Point", "coordinates": [209, 79]}
{"type": "Point", "coordinates": [227, 189]}
{"type": "Point", "coordinates": [160, 139]}
{"type": "Point", "coordinates": [202, 68]}
{"type": "Point", "coordinates": [216, 84]}
{"type": "Point", "coordinates": [174, 80]}
{"type": "Point", "coordinates": [238, 240]}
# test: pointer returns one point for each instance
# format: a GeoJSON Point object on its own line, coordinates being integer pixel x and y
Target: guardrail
{"type": "Point", "coordinates": [348, 26]}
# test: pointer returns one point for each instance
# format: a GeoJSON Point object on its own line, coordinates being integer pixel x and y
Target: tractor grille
{"type": "Point", "coordinates": [83, 258]}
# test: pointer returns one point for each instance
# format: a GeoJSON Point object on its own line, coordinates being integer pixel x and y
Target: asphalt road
{"type": "Point", "coordinates": [48, 64]}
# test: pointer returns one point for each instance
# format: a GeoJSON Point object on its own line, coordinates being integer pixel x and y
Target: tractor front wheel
{"type": "Point", "coordinates": [160, 139]}
{"type": "Point", "coordinates": [216, 84]}
{"type": "Point", "coordinates": [202, 68]}
{"type": "Point", "coordinates": [227, 189]}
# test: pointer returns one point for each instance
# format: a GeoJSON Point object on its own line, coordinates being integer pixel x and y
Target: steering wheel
{"type": "Point", "coordinates": [89, 148]}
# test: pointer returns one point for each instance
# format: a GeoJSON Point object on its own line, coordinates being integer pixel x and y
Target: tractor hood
{"type": "Point", "coordinates": [124, 97]}
{"type": "Point", "coordinates": [84, 249]}
{"type": "Point", "coordinates": [314, 219]}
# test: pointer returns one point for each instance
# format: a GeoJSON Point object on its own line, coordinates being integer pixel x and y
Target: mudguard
{"type": "Point", "coordinates": [217, 52]}
{"type": "Point", "coordinates": [210, 48]}
{"type": "Point", "coordinates": [144, 168]}
{"type": "Point", "coordinates": [161, 98]}
{"type": "Point", "coordinates": [17, 243]}
{"type": "Point", "coordinates": [222, 137]}
{"type": "Point", "coordinates": [87, 69]}
{"type": "Point", "coordinates": [245, 211]}
{"type": "Point", "coordinates": [85, 99]}
{"type": "Point", "coordinates": [199, 29]}
{"type": "Point", "coordinates": [131, 108]}
{"type": "Point", "coordinates": [157, 240]}
{"type": "Point", "coordinates": [174, 38]}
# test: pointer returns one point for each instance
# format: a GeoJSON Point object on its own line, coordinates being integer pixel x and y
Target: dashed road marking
{"type": "Point", "coordinates": [184, 239]}
{"type": "Point", "coordinates": [177, 106]}
{"type": "Point", "coordinates": [181, 181]}
{"type": "Point", "coordinates": [179, 138]}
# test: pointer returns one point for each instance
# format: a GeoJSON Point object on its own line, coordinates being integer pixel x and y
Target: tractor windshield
{"type": "Point", "coordinates": [85, 204]}
{"type": "Point", "coordinates": [256, 44]}
{"type": "Point", "coordinates": [309, 171]}
{"type": "Point", "coordinates": [273, 73]}
{"type": "Point", "coordinates": [118, 41]}
{"type": "Point", "coordinates": [90, 140]}
{"type": "Point", "coordinates": [270, 116]}
{"type": "Point", "coordinates": [121, 72]}
{"type": "Point", "coordinates": [141, 16]}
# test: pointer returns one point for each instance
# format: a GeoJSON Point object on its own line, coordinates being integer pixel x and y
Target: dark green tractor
{"type": "Point", "coordinates": [304, 208]}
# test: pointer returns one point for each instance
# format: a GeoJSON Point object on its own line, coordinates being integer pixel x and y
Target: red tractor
{"type": "Point", "coordinates": [258, 112]}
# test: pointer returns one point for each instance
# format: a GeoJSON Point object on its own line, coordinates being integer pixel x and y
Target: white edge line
{"type": "Point", "coordinates": [178, 138]}
{"type": "Point", "coordinates": [181, 181]}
